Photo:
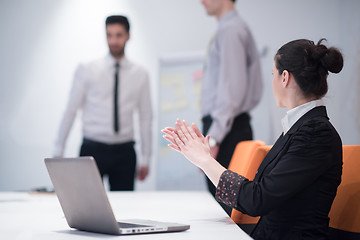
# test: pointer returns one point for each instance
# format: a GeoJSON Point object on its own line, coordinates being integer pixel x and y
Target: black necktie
{"type": "Point", "coordinates": [116, 116]}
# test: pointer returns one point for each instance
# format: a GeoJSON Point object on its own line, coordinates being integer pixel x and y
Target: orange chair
{"type": "Point", "coordinates": [246, 159]}
{"type": "Point", "coordinates": [345, 210]}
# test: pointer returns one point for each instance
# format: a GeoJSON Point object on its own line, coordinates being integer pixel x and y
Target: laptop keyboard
{"type": "Point", "coordinates": [131, 225]}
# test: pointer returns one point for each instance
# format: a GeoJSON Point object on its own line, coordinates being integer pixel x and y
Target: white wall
{"type": "Point", "coordinates": [43, 41]}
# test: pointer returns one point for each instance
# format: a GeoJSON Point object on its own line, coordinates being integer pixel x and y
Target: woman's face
{"type": "Point", "coordinates": [277, 86]}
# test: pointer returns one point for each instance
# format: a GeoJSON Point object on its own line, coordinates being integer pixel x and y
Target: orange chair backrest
{"type": "Point", "coordinates": [246, 159]}
{"type": "Point", "coordinates": [345, 210]}
{"type": "Point", "coordinates": [242, 154]}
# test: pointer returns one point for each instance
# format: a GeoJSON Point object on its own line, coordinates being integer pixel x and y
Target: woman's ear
{"type": "Point", "coordinates": [285, 76]}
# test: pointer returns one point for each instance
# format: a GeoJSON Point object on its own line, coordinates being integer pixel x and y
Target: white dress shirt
{"type": "Point", "coordinates": [293, 115]}
{"type": "Point", "coordinates": [93, 93]}
{"type": "Point", "coordinates": [232, 81]}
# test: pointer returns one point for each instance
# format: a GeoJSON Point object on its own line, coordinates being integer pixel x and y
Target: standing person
{"type": "Point", "coordinates": [109, 91]}
{"type": "Point", "coordinates": [232, 84]}
{"type": "Point", "coordinates": [296, 183]}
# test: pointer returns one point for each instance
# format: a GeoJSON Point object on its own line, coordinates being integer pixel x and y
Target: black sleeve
{"type": "Point", "coordinates": [306, 159]}
{"type": "Point", "coordinates": [228, 188]}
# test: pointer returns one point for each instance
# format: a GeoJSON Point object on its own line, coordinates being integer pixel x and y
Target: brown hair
{"type": "Point", "coordinates": [118, 19]}
{"type": "Point", "coordinates": [309, 64]}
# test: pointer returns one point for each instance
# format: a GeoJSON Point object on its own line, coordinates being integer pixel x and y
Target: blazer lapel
{"type": "Point", "coordinates": [283, 140]}
{"type": "Point", "coordinates": [274, 151]}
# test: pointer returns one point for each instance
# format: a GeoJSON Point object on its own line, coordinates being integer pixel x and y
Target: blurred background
{"type": "Point", "coordinates": [43, 41]}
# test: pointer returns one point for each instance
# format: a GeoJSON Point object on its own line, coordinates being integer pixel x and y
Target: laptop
{"type": "Point", "coordinates": [85, 204]}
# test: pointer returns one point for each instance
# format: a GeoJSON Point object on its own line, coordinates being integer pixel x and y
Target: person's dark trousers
{"type": "Point", "coordinates": [118, 161]}
{"type": "Point", "coordinates": [240, 131]}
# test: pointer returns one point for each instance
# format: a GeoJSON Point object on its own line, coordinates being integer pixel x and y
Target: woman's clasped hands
{"type": "Point", "coordinates": [189, 141]}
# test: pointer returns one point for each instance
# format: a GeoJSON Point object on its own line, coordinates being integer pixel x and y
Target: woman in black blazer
{"type": "Point", "coordinates": [296, 183]}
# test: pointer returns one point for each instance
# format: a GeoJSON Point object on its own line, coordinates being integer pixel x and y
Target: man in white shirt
{"type": "Point", "coordinates": [109, 91]}
{"type": "Point", "coordinates": [232, 84]}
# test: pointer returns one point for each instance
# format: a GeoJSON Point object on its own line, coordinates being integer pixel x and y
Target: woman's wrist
{"type": "Point", "coordinates": [213, 169]}
{"type": "Point", "coordinates": [205, 162]}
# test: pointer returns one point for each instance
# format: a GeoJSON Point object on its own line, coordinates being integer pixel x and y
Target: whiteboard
{"type": "Point", "coordinates": [180, 79]}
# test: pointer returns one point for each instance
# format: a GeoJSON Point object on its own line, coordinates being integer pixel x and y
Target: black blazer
{"type": "Point", "coordinates": [296, 183]}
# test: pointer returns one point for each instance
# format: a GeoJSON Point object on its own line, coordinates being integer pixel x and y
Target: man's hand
{"type": "Point", "coordinates": [214, 151]}
{"type": "Point", "coordinates": [142, 172]}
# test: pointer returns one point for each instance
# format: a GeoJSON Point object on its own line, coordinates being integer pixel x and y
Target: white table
{"type": "Point", "coordinates": [38, 216]}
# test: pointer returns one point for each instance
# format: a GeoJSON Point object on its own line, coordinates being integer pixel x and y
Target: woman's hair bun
{"type": "Point", "coordinates": [310, 64]}
{"type": "Point", "coordinates": [331, 58]}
